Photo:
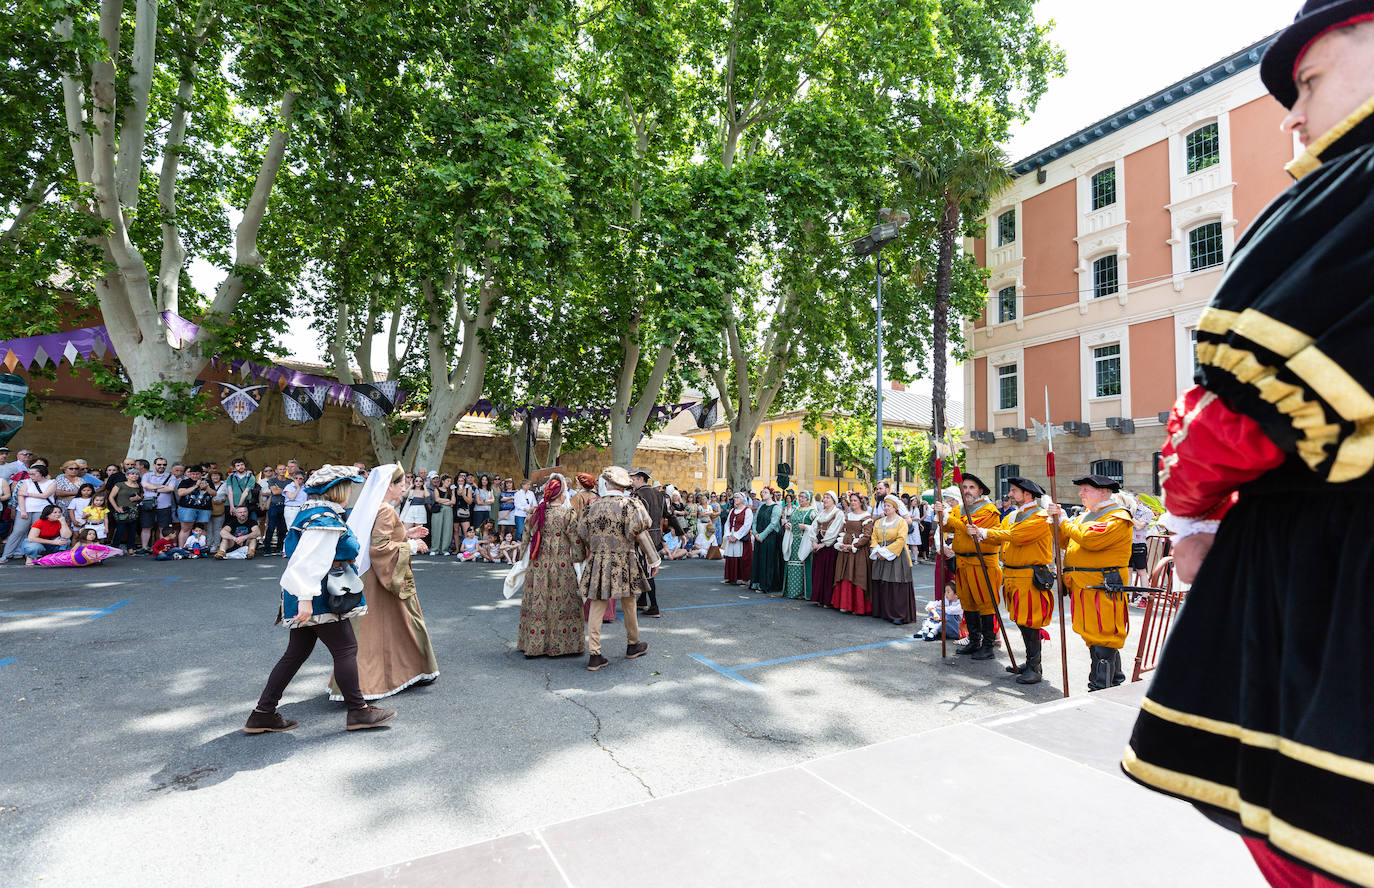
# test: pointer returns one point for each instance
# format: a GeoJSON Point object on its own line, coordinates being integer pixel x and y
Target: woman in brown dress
{"type": "Point", "coordinates": [551, 620]}
{"type": "Point", "coordinates": [851, 564]}
{"type": "Point", "coordinates": [394, 651]}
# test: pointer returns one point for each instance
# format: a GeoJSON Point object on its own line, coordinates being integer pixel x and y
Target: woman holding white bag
{"type": "Point", "coordinates": [551, 615]}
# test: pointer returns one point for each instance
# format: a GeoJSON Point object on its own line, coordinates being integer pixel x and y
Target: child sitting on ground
{"type": "Point", "coordinates": [954, 612]}
{"type": "Point", "coordinates": [467, 551]}
{"type": "Point", "coordinates": [196, 542]}
{"type": "Point", "coordinates": [490, 549]}
{"type": "Point", "coordinates": [163, 545]}
{"type": "Point", "coordinates": [85, 536]}
{"type": "Point", "coordinates": [509, 549]}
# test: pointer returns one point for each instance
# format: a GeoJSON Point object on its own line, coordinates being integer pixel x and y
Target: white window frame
{"type": "Point", "coordinates": [1204, 196]}
{"type": "Point", "coordinates": [1002, 376]}
{"type": "Point", "coordinates": [1092, 276]}
{"type": "Point", "coordinates": [1118, 335]}
{"type": "Point", "coordinates": [1092, 188]}
{"type": "Point", "coordinates": [1188, 245]}
{"type": "Point", "coordinates": [996, 361]}
{"type": "Point", "coordinates": [1096, 359]}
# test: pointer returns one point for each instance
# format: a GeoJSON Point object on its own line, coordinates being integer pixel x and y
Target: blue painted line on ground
{"type": "Point", "coordinates": [848, 650]}
{"type": "Point", "coordinates": [7, 661]}
{"type": "Point", "coordinates": [689, 607]}
{"type": "Point", "coordinates": [728, 673]}
{"type": "Point", "coordinates": [170, 579]}
{"type": "Point", "coordinates": [111, 609]}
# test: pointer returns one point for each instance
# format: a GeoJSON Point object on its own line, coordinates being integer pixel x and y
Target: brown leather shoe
{"type": "Point", "coordinates": [595, 662]}
{"type": "Point", "coordinates": [260, 722]}
{"type": "Point", "coordinates": [368, 717]}
{"type": "Point", "coordinates": [636, 650]}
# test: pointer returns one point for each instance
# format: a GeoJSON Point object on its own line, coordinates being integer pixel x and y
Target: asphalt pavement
{"type": "Point", "coordinates": [128, 684]}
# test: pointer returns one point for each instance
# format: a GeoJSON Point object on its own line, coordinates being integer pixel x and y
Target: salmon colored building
{"type": "Point", "coordinates": [1102, 254]}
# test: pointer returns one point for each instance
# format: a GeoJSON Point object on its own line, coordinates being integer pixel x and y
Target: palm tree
{"type": "Point", "coordinates": [963, 180]}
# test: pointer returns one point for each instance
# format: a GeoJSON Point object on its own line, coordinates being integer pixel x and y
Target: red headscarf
{"type": "Point", "coordinates": [587, 481]}
{"type": "Point", "coordinates": [552, 491]}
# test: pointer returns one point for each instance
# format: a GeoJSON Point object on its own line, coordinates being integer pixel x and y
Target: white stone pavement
{"type": "Point", "coordinates": [1034, 798]}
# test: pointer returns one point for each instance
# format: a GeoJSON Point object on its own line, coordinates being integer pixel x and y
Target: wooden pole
{"type": "Point", "coordinates": [1058, 552]}
{"type": "Point", "coordinates": [940, 557]}
{"type": "Point", "coordinates": [987, 577]}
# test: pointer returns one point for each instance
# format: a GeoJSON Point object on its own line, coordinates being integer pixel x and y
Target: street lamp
{"type": "Point", "coordinates": [872, 244]}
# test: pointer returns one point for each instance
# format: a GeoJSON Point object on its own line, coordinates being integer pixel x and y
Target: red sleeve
{"type": "Point", "coordinates": [1211, 451]}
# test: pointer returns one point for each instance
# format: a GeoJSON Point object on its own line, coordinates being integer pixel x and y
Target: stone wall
{"type": "Point", "coordinates": [1073, 456]}
{"type": "Point", "coordinates": [96, 431]}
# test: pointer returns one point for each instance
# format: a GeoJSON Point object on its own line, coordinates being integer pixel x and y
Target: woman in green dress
{"type": "Point", "coordinates": [766, 572]}
{"type": "Point", "coordinates": [797, 543]}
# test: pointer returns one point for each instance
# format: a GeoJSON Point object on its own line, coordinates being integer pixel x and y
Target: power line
{"type": "Point", "coordinates": [1129, 285]}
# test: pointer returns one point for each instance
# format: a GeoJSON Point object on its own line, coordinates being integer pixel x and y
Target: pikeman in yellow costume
{"type": "Point", "coordinates": [977, 590]}
{"type": "Point", "coordinates": [1096, 555]}
{"type": "Point", "coordinates": [1027, 580]}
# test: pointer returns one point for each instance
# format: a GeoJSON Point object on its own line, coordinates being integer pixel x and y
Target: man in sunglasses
{"type": "Point", "coordinates": [156, 513]}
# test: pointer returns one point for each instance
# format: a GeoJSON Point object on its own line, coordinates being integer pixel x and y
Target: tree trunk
{"type": "Point", "coordinates": [739, 471]}
{"type": "Point", "coordinates": [624, 441]}
{"type": "Point", "coordinates": [431, 441]}
{"type": "Point", "coordinates": [949, 226]}
{"type": "Point", "coordinates": [555, 441]}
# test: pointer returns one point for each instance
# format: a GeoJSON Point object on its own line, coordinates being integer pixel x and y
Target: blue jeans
{"type": "Point", "coordinates": [38, 550]}
{"type": "Point", "coordinates": [276, 526]}
{"type": "Point", "coordinates": [519, 528]}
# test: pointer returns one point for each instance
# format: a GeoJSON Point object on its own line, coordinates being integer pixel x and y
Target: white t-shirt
{"type": "Point", "coordinates": [1141, 534]}
{"type": "Point", "coordinates": [37, 497]}
{"type": "Point", "coordinates": [525, 501]}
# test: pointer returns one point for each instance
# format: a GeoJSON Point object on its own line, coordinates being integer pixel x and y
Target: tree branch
{"type": "Point", "coordinates": [38, 192]}
{"type": "Point", "coordinates": [133, 134]}
{"type": "Point", "coordinates": [74, 106]}
{"type": "Point", "coordinates": [246, 240]}
{"type": "Point", "coordinates": [662, 362]}
{"type": "Point", "coordinates": [338, 345]}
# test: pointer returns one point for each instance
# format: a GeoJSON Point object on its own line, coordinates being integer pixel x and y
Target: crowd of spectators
{"type": "Point", "coordinates": [195, 510]}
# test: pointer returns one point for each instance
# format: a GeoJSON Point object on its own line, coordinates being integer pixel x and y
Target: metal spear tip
{"type": "Point", "coordinates": [1043, 432]}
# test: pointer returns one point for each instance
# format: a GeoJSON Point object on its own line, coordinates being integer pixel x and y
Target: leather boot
{"type": "Point", "coordinates": [975, 634]}
{"type": "Point", "coordinates": [1100, 676]}
{"type": "Point", "coordinates": [1118, 676]}
{"type": "Point", "coordinates": [988, 649]}
{"type": "Point", "coordinates": [1031, 672]}
{"type": "Point", "coordinates": [368, 717]}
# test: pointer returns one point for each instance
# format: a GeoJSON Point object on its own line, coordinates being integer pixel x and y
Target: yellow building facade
{"type": "Point", "coordinates": [782, 439]}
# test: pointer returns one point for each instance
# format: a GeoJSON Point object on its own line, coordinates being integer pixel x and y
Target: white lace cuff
{"type": "Point", "coordinates": [1186, 527]}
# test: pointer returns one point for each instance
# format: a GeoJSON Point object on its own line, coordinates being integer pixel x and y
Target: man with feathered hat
{"type": "Point", "coordinates": [1261, 709]}
{"type": "Point", "coordinates": [1097, 556]}
{"type": "Point", "coordinates": [614, 529]}
{"type": "Point", "coordinates": [977, 590]}
{"type": "Point", "coordinates": [1025, 538]}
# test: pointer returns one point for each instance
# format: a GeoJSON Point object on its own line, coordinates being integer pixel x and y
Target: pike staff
{"type": "Point", "coordinates": [1047, 433]}
{"type": "Point", "coordinates": [983, 565]}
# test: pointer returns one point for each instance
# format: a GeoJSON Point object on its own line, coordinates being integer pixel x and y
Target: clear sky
{"type": "Point", "coordinates": [1117, 53]}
